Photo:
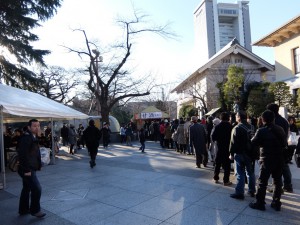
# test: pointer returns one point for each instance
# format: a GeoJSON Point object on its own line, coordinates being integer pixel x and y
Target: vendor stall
{"type": "Point", "coordinates": [20, 105]}
{"type": "Point", "coordinates": [149, 114]}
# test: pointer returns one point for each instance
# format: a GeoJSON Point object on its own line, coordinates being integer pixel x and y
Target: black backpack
{"type": "Point", "coordinates": [251, 151]}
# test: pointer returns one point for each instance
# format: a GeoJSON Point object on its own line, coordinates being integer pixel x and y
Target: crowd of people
{"type": "Point", "coordinates": [238, 139]}
{"type": "Point", "coordinates": [224, 139]}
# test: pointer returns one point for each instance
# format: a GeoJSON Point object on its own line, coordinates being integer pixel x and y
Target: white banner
{"type": "Point", "coordinates": [151, 115]}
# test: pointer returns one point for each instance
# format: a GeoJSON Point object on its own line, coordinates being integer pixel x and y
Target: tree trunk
{"type": "Point", "coordinates": [105, 114]}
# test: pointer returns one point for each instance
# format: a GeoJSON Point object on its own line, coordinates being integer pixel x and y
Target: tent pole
{"type": "Point", "coordinates": [53, 143]}
{"type": "Point", "coordinates": [2, 149]}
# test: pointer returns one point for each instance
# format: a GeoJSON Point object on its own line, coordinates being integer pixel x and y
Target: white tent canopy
{"type": "Point", "coordinates": [23, 103]}
{"type": "Point", "coordinates": [20, 105]}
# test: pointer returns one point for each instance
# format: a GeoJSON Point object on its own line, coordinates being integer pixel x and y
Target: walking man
{"type": "Point", "coordinates": [237, 149]}
{"type": "Point", "coordinates": [92, 136]}
{"type": "Point", "coordinates": [272, 140]}
{"type": "Point", "coordinates": [29, 163]}
{"type": "Point", "coordinates": [198, 140]}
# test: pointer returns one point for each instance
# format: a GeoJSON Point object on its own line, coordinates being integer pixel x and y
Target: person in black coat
{"type": "Point", "coordinates": [222, 134]}
{"type": "Point", "coordinates": [142, 138]}
{"type": "Point", "coordinates": [64, 133]}
{"type": "Point", "coordinates": [29, 163]}
{"type": "Point", "coordinates": [198, 139]}
{"type": "Point", "coordinates": [105, 132]}
{"type": "Point", "coordinates": [92, 136]}
{"type": "Point", "coordinates": [286, 172]}
{"type": "Point", "coordinates": [238, 151]}
{"type": "Point", "coordinates": [272, 140]}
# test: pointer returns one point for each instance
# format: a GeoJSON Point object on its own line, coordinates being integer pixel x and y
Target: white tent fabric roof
{"type": "Point", "coordinates": [23, 103]}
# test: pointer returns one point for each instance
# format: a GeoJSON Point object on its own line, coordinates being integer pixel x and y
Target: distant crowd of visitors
{"type": "Point", "coordinates": [235, 138]}
{"type": "Point", "coordinates": [225, 139]}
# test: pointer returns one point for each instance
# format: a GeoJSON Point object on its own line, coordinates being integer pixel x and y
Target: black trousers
{"type": "Point", "coordinates": [93, 152]}
{"type": "Point", "coordinates": [161, 140]}
{"type": "Point", "coordinates": [287, 176]}
{"type": "Point", "coordinates": [106, 141]}
{"type": "Point", "coordinates": [201, 157]}
{"type": "Point", "coordinates": [226, 167]}
{"type": "Point", "coordinates": [31, 188]}
{"type": "Point", "coordinates": [268, 168]}
{"type": "Point", "coordinates": [167, 143]}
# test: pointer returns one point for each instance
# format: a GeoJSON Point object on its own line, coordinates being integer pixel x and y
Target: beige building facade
{"type": "Point", "coordinates": [286, 43]}
{"type": "Point", "coordinates": [199, 89]}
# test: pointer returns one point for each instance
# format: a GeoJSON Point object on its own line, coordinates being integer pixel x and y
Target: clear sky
{"type": "Point", "coordinates": [168, 60]}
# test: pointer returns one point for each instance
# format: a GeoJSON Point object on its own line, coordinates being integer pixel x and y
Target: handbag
{"type": "Point", "coordinates": [292, 140]}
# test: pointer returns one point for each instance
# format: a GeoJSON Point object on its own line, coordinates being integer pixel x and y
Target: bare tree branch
{"type": "Point", "coordinates": [112, 83]}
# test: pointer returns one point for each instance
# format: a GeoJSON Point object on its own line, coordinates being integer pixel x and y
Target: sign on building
{"type": "Point", "coordinates": [151, 115]}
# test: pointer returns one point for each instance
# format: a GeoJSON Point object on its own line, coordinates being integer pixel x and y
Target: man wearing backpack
{"type": "Point", "coordinates": [237, 149]}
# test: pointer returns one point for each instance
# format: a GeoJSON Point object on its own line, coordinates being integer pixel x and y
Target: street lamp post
{"type": "Point", "coordinates": [98, 58]}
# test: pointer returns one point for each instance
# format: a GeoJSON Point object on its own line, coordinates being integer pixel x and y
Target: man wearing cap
{"type": "Point", "coordinates": [92, 136]}
{"type": "Point", "coordinates": [198, 140]}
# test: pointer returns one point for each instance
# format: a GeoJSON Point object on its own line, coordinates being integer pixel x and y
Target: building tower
{"type": "Point", "coordinates": [216, 24]}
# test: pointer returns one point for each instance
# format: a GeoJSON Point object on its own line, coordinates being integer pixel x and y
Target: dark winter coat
{"type": "Point", "coordinates": [29, 153]}
{"type": "Point", "coordinates": [221, 134]}
{"type": "Point", "coordinates": [92, 136]}
{"type": "Point", "coordinates": [209, 128]}
{"type": "Point", "coordinates": [272, 140]}
{"type": "Point", "coordinates": [105, 131]}
{"type": "Point", "coordinates": [72, 136]}
{"type": "Point", "coordinates": [198, 137]}
{"type": "Point", "coordinates": [64, 132]}
{"type": "Point", "coordinates": [239, 139]}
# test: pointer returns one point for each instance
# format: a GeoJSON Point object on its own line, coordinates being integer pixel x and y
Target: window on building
{"type": "Point", "coordinates": [226, 60]}
{"type": "Point", "coordinates": [296, 57]}
{"type": "Point", "coordinates": [238, 60]}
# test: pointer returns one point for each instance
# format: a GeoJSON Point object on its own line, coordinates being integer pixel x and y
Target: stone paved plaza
{"type": "Point", "coordinates": [128, 187]}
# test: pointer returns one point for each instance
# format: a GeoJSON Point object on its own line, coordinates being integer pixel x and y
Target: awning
{"type": "Point", "coordinates": [151, 113]}
{"type": "Point", "coordinates": [213, 111]}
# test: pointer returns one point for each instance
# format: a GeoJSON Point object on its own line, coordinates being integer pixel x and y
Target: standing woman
{"type": "Point", "coordinates": [292, 147]}
{"type": "Point", "coordinates": [181, 140]}
{"type": "Point", "coordinates": [168, 135]}
{"type": "Point", "coordinates": [105, 131]}
{"type": "Point", "coordinates": [123, 134]}
{"type": "Point", "coordinates": [72, 138]}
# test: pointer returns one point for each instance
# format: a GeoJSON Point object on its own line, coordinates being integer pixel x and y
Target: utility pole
{"type": "Point", "coordinates": [98, 58]}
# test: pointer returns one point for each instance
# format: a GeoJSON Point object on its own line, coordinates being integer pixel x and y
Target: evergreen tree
{"type": "Point", "coordinates": [234, 85]}
{"type": "Point", "coordinates": [17, 19]}
{"type": "Point", "coordinates": [282, 95]}
{"type": "Point", "coordinates": [187, 111]}
{"type": "Point", "coordinates": [258, 98]}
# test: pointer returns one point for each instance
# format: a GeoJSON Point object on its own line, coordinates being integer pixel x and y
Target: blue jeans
{"type": "Point", "coordinates": [244, 167]}
{"type": "Point", "coordinates": [142, 146]}
{"type": "Point", "coordinates": [31, 187]}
